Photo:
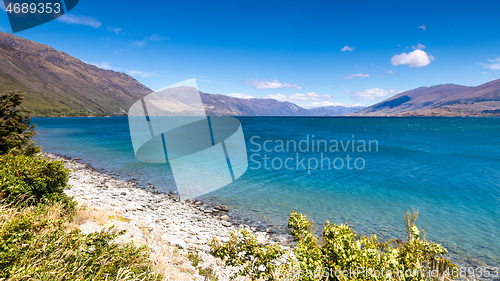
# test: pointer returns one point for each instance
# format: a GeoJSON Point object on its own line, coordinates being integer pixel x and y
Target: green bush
{"type": "Point", "coordinates": [243, 250]}
{"type": "Point", "coordinates": [31, 179]}
{"type": "Point", "coordinates": [346, 256]}
{"type": "Point", "coordinates": [37, 244]}
{"type": "Point", "coordinates": [340, 255]}
{"type": "Point", "coordinates": [16, 132]}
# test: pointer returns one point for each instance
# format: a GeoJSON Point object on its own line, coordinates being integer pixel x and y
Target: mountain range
{"type": "Point", "coordinates": [57, 84]}
{"type": "Point", "coordinates": [440, 100]}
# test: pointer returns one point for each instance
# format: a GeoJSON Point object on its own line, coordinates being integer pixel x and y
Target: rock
{"type": "Point", "coordinates": [222, 208]}
{"type": "Point", "coordinates": [224, 218]}
{"type": "Point", "coordinates": [176, 198]}
{"type": "Point", "coordinates": [207, 211]}
{"type": "Point", "coordinates": [226, 223]}
{"type": "Point", "coordinates": [262, 240]}
{"type": "Point", "coordinates": [179, 243]}
{"type": "Point", "coordinates": [89, 227]}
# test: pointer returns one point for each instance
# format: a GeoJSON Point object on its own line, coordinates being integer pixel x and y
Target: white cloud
{"type": "Point", "coordinates": [142, 74]}
{"type": "Point", "coordinates": [417, 58]}
{"type": "Point", "coordinates": [311, 96]}
{"type": "Point", "coordinates": [156, 37]}
{"type": "Point", "coordinates": [79, 20]}
{"type": "Point", "coordinates": [107, 65]}
{"type": "Point", "coordinates": [390, 72]}
{"type": "Point", "coordinates": [357, 75]}
{"type": "Point", "coordinates": [103, 65]}
{"type": "Point", "coordinates": [347, 48]}
{"type": "Point", "coordinates": [139, 43]}
{"type": "Point", "coordinates": [493, 64]}
{"type": "Point", "coordinates": [423, 27]}
{"type": "Point", "coordinates": [241, 96]}
{"type": "Point", "coordinates": [327, 103]}
{"type": "Point", "coordinates": [115, 30]}
{"type": "Point", "coordinates": [271, 84]}
{"type": "Point", "coordinates": [370, 94]}
{"type": "Point", "coordinates": [419, 46]}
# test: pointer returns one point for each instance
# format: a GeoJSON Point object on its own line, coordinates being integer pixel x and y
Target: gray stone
{"type": "Point", "coordinates": [90, 227]}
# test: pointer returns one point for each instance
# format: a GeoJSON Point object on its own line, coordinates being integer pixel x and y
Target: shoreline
{"type": "Point", "coordinates": [156, 219]}
{"type": "Point", "coordinates": [130, 198]}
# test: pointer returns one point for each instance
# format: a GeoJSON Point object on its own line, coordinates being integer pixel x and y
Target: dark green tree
{"type": "Point", "coordinates": [16, 132]}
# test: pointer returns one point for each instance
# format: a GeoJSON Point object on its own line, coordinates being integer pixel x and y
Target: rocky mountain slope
{"type": "Point", "coordinates": [57, 84]}
{"type": "Point", "coordinates": [441, 100]}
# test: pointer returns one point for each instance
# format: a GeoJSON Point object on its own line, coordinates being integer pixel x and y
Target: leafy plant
{"type": "Point", "coordinates": [209, 273]}
{"type": "Point", "coordinates": [36, 243]}
{"type": "Point", "coordinates": [31, 179]}
{"type": "Point", "coordinates": [194, 258]}
{"type": "Point", "coordinates": [16, 132]}
{"type": "Point", "coordinates": [308, 252]}
{"type": "Point", "coordinates": [340, 255]}
{"type": "Point", "coordinates": [346, 256]}
{"type": "Point", "coordinates": [256, 261]}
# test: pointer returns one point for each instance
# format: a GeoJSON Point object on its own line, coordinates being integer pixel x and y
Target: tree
{"type": "Point", "coordinates": [16, 132]}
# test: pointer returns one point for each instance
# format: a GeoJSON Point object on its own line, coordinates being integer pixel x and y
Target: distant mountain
{"type": "Point", "coordinates": [336, 110]}
{"type": "Point", "coordinates": [57, 84]}
{"type": "Point", "coordinates": [441, 100]}
{"type": "Point", "coordinates": [220, 105]}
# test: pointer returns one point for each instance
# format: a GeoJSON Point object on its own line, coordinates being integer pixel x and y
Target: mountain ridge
{"type": "Point", "coordinates": [57, 84]}
{"type": "Point", "coordinates": [440, 100]}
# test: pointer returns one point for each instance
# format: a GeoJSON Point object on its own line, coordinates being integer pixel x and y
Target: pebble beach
{"type": "Point", "coordinates": [160, 221]}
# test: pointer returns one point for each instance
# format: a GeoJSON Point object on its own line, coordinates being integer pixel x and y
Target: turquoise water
{"type": "Point", "coordinates": [447, 168]}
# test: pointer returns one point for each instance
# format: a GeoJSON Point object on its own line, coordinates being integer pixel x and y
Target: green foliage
{"type": "Point", "coordinates": [16, 132]}
{"type": "Point", "coordinates": [194, 258]}
{"type": "Point", "coordinates": [36, 243]}
{"type": "Point", "coordinates": [308, 252]}
{"type": "Point", "coordinates": [209, 273]}
{"type": "Point", "coordinates": [340, 255]}
{"type": "Point", "coordinates": [36, 240]}
{"type": "Point", "coordinates": [243, 250]}
{"type": "Point", "coordinates": [346, 256]}
{"type": "Point", "coordinates": [33, 178]}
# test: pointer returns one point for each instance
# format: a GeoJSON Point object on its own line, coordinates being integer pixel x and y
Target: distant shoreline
{"type": "Point", "coordinates": [289, 116]}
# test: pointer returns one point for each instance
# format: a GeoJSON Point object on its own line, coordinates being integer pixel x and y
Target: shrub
{"type": "Point", "coordinates": [37, 244]}
{"type": "Point", "coordinates": [16, 132]}
{"type": "Point", "coordinates": [340, 255]}
{"type": "Point", "coordinates": [343, 251]}
{"type": "Point", "coordinates": [32, 178]}
{"type": "Point", "coordinates": [243, 250]}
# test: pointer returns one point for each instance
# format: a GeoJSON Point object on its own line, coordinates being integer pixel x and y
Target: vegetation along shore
{"type": "Point", "coordinates": [63, 220]}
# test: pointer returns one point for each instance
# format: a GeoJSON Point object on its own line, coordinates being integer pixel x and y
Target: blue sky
{"type": "Point", "coordinates": [312, 53]}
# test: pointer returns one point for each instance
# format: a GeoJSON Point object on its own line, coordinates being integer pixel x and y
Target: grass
{"type": "Point", "coordinates": [40, 243]}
